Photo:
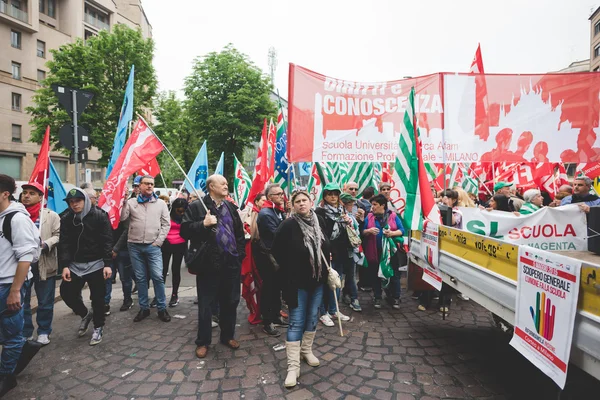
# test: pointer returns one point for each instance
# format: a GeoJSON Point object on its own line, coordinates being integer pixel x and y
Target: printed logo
{"type": "Point", "coordinates": [543, 316]}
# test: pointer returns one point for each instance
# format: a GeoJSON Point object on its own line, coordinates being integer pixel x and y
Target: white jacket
{"type": "Point", "coordinates": [26, 242]}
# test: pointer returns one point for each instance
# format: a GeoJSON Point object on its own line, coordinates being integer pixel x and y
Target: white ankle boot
{"type": "Point", "coordinates": [306, 349]}
{"type": "Point", "coordinates": [293, 361]}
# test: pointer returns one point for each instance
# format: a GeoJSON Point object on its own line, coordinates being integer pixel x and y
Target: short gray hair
{"type": "Point", "coordinates": [588, 181]}
{"type": "Point", "coordinates": [146, 177]}
{"type": "Point", "coordinates": [530, 194]}
{"type": "Point", "coordinates": [270, 187]}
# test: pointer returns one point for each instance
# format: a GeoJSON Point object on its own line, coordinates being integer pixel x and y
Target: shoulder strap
{"type": "Point", "coordinates": [7, 226]}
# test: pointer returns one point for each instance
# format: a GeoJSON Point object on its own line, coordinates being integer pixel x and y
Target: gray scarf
{"type": "Point", "coordinates": [312, 235]}
{"type": "Point", "coordinates": [334, 214]}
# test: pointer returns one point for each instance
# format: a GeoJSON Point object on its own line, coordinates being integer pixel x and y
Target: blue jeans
{"type": "Point", "coordinates": [11, 331]}
{"type": "Point", "coordinates": [304, 317]}
{"type": "Point", "coordinates": [45, 291]}
{"type": "Point", "coordinates": [142, 255]}
{"type": "Point", "coordinates": [121, 263]}
{"type": "Point", "coordinates": [331, 307]}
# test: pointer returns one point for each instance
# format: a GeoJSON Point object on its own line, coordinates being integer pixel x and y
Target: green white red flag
{"type": "Point", "coordinates": [241, 182]}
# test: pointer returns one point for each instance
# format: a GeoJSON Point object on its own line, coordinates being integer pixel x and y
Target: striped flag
{"type": "Point", "coordinates": [362, 174]}
{"type": "Point", "coordinates": [281, 161]}
{"type": "Point", "coordinates": [321, 175]}
{"type": "Point", "coordinates": [241, 183]}
{"type": "Point", "coordinates": [469, 184]}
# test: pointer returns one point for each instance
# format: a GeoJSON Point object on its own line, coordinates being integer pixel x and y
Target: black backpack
{"type": "Point", "coordinates": [7, 227]}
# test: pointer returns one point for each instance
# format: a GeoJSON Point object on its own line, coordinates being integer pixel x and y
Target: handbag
{"type": "Point", "coordinates": [333, 278]}
{"type": "Point", "coordinates": [199, 260]}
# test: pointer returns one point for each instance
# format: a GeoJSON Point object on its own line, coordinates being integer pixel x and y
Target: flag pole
{"type": "Point", "coordinates": [176, 162]}
{"type": "Point", "coordinates": [287, 144]}
{"type": "Point", "coordinates": [44, 196]}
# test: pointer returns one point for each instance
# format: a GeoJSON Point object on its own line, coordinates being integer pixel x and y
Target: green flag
{"type": "Point", "coordinates": [241, 183]}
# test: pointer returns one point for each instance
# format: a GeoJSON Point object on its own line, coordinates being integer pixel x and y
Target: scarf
{"type": "Point", "coordinates": [146, 199]}
{"type": "Point", "coordinates": [34, 211]}
{"type": "Point", "coordinates": [312, 235]}
{"type": "Point", "coordinates": [334, 214]}
{"type": "Point", "coordinates": [270, 204]}
{"type": "Point", "coordinates": [577, 198]}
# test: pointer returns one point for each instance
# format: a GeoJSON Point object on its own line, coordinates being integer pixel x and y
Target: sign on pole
{"type": "Point", "coordinates": [547, 291]}
{"type": "Point", "coordinates": [430, 252]}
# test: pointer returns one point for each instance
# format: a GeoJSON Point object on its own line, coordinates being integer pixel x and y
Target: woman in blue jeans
{"type": "Point", "coordinates": [298, 247]}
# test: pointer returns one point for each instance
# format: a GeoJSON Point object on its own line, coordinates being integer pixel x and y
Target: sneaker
{"type": "Point", "coordinates": [355, 305]}
{"type": "Point", "coordinates": [107, 309]}
{"type": "Point", "coordinates": [154, 303]}
{"type": "Point", "coordinates": [85, 322]}
{"type": "Point", "coordinates": [213, 324]}
{"type": "Point", "coordinates": [126, 305]}
{"type": "Point", "coordinates": [377, 303]}
{"type": "Point", "coordinates": [280, 322]}
{"type": "Point", "coordinates": [347, 299]}
{"type": "Point", "coordinates": [271, 330]}
{"type": "Point", "coordinates": [341, 316]}
{"type": "Point", "coordinates": [463, 297]}
{"type": "Point", "coordinates": [43, 339]}
{"type": "Point", "coordinates": [30, 338]}
{"type": "Point", "coordinates": [96, 337]}
{"type": "Point", "coordinates": [326, 320]}
{"type": "Point", "coordinates": [421, 307]}
{"type": "Point", "coordinates": [396, 304]}
{"type": "Point", "coordinates": [415, 295]}
{"type": "Point", "coordinates": [141, 315]}
{"type": "Point", "coordinates": [164, 316]}
{"type": "Point", "coordinates": [174, 300]}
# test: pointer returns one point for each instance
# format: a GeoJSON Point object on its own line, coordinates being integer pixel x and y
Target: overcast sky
{"type": "Point", "coordinates": [371, 40]}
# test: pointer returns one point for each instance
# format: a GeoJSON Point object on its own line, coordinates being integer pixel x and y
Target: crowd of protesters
{"type": "Point", "coordinates": [299, 253]}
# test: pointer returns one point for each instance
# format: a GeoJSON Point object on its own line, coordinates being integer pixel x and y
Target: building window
{"type": "Point", "coordinates": [87, 34]}
{"type": "Point", "coordinates": [96, 18]}
{"type": "Point", "coordinates": [16, 101]}
{"type": "Point", "coordinates": [597, 28]}
{"type": "Point", "coordinates": [41, 75]}
{"type": "Point", "coordinates": [16, 133]}
{"type": "Point", "coordinates": [15, 39]}
{"type": "Point", "coordinates": [48, 7]}
{"type": "Point", "coordinates": [16, 70]}
{"type": "Point", "coordinates": [41, 49]}
{"type": "Point", "coordinates": [11, 166]}
{"type": "Point", "coordinates": [61, 169]}
{"type": "Point", "coordinates": [597, 50]}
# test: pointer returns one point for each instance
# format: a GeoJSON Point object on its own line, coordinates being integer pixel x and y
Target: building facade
{"type": "Point", "coordinates": [28, 30]}
{"type": "Point", "coordinates": [595, 40]}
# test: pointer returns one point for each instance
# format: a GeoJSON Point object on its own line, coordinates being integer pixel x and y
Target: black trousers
{"type": "Point", "coordinates": [270, 291]}
{"type": "Point", "coordinates": [177, 251]}
{"type": "Point", "coordinates": [71, 294]}
{"type": "Point", "coordinates": [222, 286]}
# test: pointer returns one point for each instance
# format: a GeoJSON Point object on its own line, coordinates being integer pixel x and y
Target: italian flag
{"type": "Point", "coordinates": [241, 183]}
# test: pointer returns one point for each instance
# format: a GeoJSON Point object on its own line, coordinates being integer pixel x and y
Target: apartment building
{"type": "Point", "coordinates": [595, 40]}
{"type": "Point", "coordinates": [28, 30]}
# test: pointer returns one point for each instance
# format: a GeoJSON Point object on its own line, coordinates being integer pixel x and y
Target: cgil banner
{"type": "Point", "coordinates": [533, 118]}
{"type": "Point", "coordinates": [554, 229]}
{"type": "Point", "coordinates": [547, 291]}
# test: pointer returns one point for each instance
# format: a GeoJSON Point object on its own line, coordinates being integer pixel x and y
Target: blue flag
{"type": "Point", "coordinates": [124, 119]}
{"type": "Point", "coordinates": [56, 192]}
{"type": "Point", "coordinates": [198, 173]}
{"type": "Point", "coordinates": [305, 168]}
{"type": "Point", "coordinates": [220, 167]}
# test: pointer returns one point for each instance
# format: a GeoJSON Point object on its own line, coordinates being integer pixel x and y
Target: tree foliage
{"type": "Point", "coordinates": [227, 101]}
{"type": "Point", "coordinates": [100, 65]}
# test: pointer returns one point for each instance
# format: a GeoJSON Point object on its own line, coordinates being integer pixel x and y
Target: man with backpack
{"type": "Point", "coordinates": [19, 247]}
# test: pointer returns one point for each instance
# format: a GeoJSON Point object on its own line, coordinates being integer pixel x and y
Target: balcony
{"type": "Point", "coordinates": [9, 9]}
{"type": "Point", "coordinates": [95, 22]}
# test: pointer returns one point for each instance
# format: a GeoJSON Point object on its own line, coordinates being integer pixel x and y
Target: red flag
{"type": "Point", "coordinates": [429, 208]}
{"type": "Point", "coordinates": [140, 149]}
{"type": "Point", "coordinates": [482, 127]}
{"type": "Point", "coordinates": [152, 168]}
{"type": "Point", "coordinates": [260, 168]}
{"type": "Point", "coordinates": [386, 172]}
{"type": "Point", "coordinates": [591, 170]}
{"type": "Point", "coordinates": [251, 286]}
{"type": "Point", "coordinates": [41, 170]}
{"type": "Point", "coordinates": [271, 150]}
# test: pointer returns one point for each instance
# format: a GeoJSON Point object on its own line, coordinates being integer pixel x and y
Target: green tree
{"type": "Point", "coordinates": [100, 65]}
{"type": "Point", "coordinates": [227, 101]}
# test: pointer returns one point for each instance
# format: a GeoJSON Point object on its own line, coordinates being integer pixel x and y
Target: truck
{"type": "Point", "coordinates": [485, 269]}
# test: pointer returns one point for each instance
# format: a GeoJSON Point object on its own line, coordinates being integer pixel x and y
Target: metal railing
{"type": "Point", "coordinates": [96, 22]}
{"type": "Point", "coordinates": [9, 9]}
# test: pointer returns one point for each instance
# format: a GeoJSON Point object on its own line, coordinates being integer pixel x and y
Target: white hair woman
{"type": "Point", "coordinates": [533, 202]}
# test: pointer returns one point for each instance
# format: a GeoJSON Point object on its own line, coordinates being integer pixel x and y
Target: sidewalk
{"type": "Point", "coordinates": [385, 354]}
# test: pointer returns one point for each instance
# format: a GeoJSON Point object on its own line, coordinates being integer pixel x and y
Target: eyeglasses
{"type": "Point", "coordinates": [148, 183]}
{"type": "Point", "coordinates": [276, 194]}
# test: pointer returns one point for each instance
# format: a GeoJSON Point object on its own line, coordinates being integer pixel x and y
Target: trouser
{"type": "Point", "coordinates": [11, 332]}
{"type": "Point", "coordinates": [223, 288]}
{"type": "Point", "coordinates": [349, 268]}
{"type": "Point", "coordinates": [109, 284]}
{"type": "Point", "coordinates": [394, 280]}
{"type": "Point", "coordinates": [177, 251]}
{"type": "Point", "coordinates": [270, 291]}
{"type": "Point", "coordinates": [363, 276]}
{"type": "Point", "coordinates": [44, 291]}
{"type": "Point", "coordinates": [304, 317]}
{"type": "Point", "coordinates": [146, 259]}
{"type": "Point", "coordinates": [71, 294]}
{"type": "Point", "coordinates": [328, 299]}
{"type": "Point", "coordinates": [125, 269]}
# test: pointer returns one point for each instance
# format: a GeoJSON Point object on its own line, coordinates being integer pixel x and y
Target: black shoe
{"type": "Point", "coordinates": [154, 303]}
{"type": "Point", "coordinates": [141, 315]}
{"type": "Point", "coordinates": [30, 349]}
{"type": "Point", "coordinates": [164, 316]}
{"type": "Point", "coordinates": [7, 383]}
{"type": "Point", "coordinates": [280, 322]}
{"type": "Point", "coordinates": [85, 322]}
{"type": "Point", "coordinates": [107, 309]}
{"type": "Point", "coordinates": [271, 330]}
{"type": "Point", "coordinates": [126, 305]}
{"type": "Point", "coordinates": [174, 300]}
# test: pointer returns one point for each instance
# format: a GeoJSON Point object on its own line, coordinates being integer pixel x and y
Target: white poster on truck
{"type": "Point", "coordinates": [430, 251]}
{"type": "Point", "coordinates": [554, 229]}
{"type": "Point", "coordinates": [547, 291]}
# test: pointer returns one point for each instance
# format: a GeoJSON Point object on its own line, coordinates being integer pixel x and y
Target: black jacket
{"type": "Point", "coordinates": [292, 256]}
{"type": "Point", "coordinates": [268, 221]}
{"type": "Point", "coordinates": [85, 241]}
{"type": "Point", "coordinates": [341, 245]}
{"type": "Point", "coordinates": [193, 229]}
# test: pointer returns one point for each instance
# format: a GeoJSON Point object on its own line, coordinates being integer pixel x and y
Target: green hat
{"type": "Point", "coordinates": [332, 187]}
{"type": "Point", "coordinates": [347, 198]}
{"type": "Point", "coordinates": [501, 185]}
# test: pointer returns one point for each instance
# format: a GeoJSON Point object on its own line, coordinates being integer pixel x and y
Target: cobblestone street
{"type": "Point", "coordinates": [386, 354]}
